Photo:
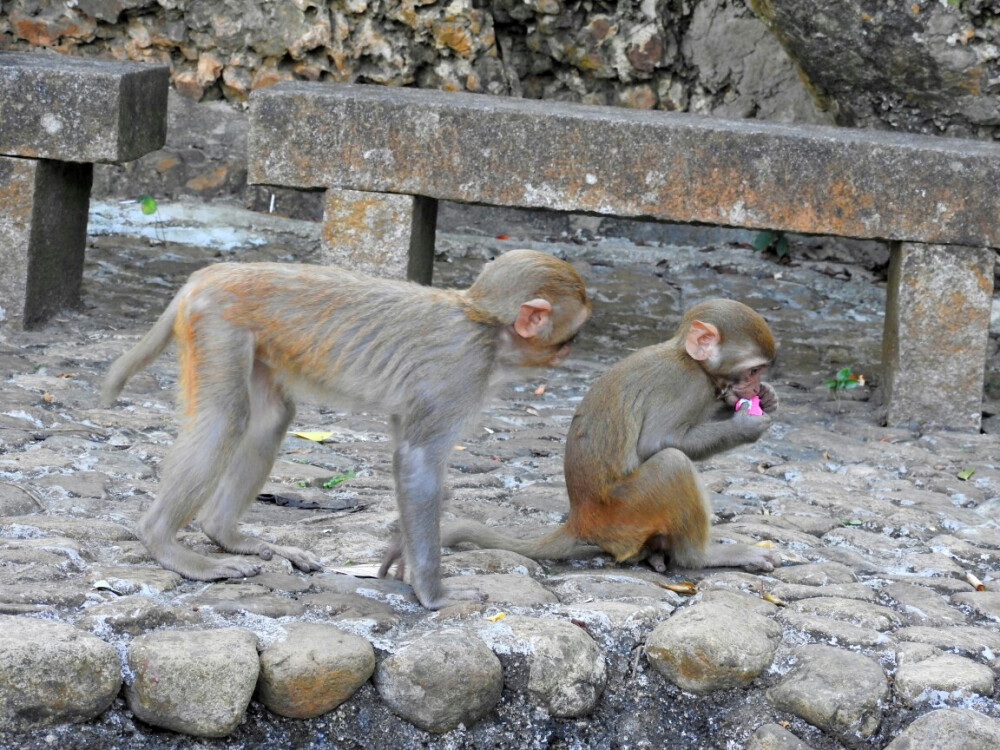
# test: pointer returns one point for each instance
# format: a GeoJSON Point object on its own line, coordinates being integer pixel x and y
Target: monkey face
{"type": "Point", "coordinates": [746, 383]}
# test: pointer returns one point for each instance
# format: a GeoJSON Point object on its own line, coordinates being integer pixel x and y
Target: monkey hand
{"type": "Point", "coordinates": [752, 405]}
{"type": "Point", "coordinates": [768, 399]}
{"type": "Point", "coordinates": [748, 426]}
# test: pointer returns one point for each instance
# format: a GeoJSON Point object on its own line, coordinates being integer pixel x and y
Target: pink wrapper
{"type": "Point", "coordinates": [754, 402]}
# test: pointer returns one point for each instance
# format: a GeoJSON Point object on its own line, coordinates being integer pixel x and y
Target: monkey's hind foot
{"type": "Point", "coordinates": [448, 596]}
{"type": "Point", "coordinates": [197, 567]}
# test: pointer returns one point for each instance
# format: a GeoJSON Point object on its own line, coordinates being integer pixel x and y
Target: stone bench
{"type": "Point", "coordinates": [385, 156]}
{"type": "Point", "coordinates": [58, 116]}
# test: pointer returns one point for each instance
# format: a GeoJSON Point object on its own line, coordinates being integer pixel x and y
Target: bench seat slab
{"type": "Point", "coordinates": [503, 151]}
{"type": "Point", "coordinates": [80, 109]}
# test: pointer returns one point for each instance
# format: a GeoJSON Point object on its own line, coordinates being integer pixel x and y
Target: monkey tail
{"type": "Point", "coordinates": [141, 355]}
{"type": "Point", "coordinates": [558, 545]}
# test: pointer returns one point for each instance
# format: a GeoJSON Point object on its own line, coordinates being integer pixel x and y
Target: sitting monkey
{"type": "Point", "coordinates": [633, 489]}
{"type": "Point", "coordinates": [250, 335]}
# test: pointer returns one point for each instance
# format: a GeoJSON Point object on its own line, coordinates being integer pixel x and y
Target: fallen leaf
{"type": "Point", "coordinates": [460, 448]}
{"type": "Point", "coordinates": [966, 473]}
{"type": "Point", "coordinates": [497, 616]}
{"type": "Point", "coordinates": [540, 390]}
{"type": "Point", "coordinates": [316, 437]}
{"type": "Point", "coordinates": [533, 412]}
{"type": "Point", "coordinates": [47, 398]}
{"type": "Point", "coordinates": [765, 543]}
{"type": "Point", "coordinates": [681, 587]}
{"type": "Point", "coordinates": [768, 597]}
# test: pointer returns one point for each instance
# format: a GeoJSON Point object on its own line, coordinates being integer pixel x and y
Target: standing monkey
{"type": "Point", "coordinates": [633, 489]}
{"type": "Point", "coordinates": [250, 335]}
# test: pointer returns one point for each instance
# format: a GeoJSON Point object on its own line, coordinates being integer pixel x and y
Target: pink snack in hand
{"type": "Point", "coordinates": [754, 402]}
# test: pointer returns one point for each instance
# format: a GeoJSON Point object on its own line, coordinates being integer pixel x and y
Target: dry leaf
{"type": "Point", "coordinates": [540, 390]}
{"type": "Point", "coordinates": [767, 597]}
{"type": "Point", "coordinates": [47, 398]}
{"type": "Point", "coordinates": [497, 616]}
{"type": "Point", "coordinates": [765, 543]}
{"type": "Point", "coordinates": [533, 412]}
{"type": "Point", "coordinates": [681, 587]}
{"type": "Point", "coordinates": [316, 437]}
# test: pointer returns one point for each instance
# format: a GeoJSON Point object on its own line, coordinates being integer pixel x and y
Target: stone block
{"type": "Point", "coordinates": [936, 329]}
{"type": "Point", "coordinates": [669, 166]}
{"type": "Point", "coordinates": [379, 233]}
{"type": "Point", "coordinates": [43, 233]}
{"type": "Point", "coordinates": [80, 109]}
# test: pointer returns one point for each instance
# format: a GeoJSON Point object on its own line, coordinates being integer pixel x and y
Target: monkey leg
{"type": "Point", "coordinates": [213, 391]}
{"type": "Point", "coordinates": [661, 509]}
{"type": "Point", "coordinates": [270, 414]}
{"type": "Point", "coordinates": [418, 466]}
{"type": "Point", "coordinates": [188, 478]}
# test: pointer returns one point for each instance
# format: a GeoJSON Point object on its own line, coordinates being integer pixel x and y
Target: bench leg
{"type": "Point", "coordinates": [936, 328]}
{"type": "Point", "coordinates": [43, 235]}
{"type": "Point", "coordinates": [381, 234]}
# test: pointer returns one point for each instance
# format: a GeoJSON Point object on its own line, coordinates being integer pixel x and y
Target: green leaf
{"type": "Point", "coordinates": [334, 481]}
{"type": "Point", "coordinates": [781, 248]}
{"type": "Point", "coordinates": [966, 473]}
{"type": "Point", "coordinates": [844, 374]}
{"type": "Point", "coordinates": [763, 240]}
{"type": "Point", "coordinates": [148, 204]}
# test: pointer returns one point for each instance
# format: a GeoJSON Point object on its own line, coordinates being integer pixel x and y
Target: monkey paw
{"type": "Point", "coordinates": [762, 558]}
{"type": "Point", "coordinates": [302, 559]}
{"type": "Point", "coordinates": [448, 596]}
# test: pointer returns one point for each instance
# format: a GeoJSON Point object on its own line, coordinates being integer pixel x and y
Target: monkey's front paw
{"type": "Point", "coordinates": [768, 398]}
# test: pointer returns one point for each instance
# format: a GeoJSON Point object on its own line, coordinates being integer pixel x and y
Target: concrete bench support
{"type": "Point", "coordinates": [664, 166]}
{"type": "Point", "coordinates": [380, 233]}
{"type": "Point", "coordinates": [936, 330]}
{"type": "Point", "coordinates": [43, 233]}
{"type": "Point", "coordinates": [58, 116]}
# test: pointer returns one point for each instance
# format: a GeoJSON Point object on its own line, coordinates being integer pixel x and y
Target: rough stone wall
{"type": "Point", "coordinates": [706, 56]}
{"type": "Point", "coordinates": [928, 66]}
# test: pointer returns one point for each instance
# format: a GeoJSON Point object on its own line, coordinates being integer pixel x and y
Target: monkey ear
{"type": "Point", "coordinates": [702, 340]}
{"type": "Point", "coordinates": [532, 318]}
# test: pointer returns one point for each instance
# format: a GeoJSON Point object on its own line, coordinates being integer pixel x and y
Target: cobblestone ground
{"type": "Point", "coordinates": [877, 634]}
